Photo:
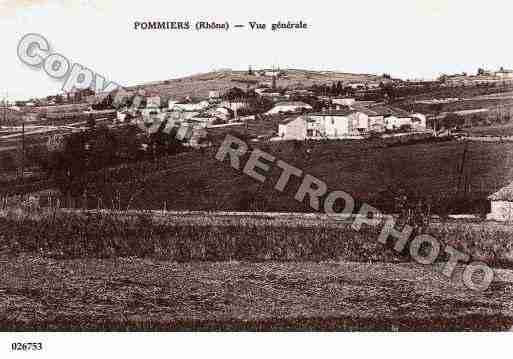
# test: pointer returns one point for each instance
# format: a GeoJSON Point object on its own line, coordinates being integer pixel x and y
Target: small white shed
{"type": "Point", "coordinates": [502, 204]}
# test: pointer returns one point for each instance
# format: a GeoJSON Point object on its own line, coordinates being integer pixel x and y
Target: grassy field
{"type": "Point", "coordinates": [64, 234]}
{"type": "Point", "coordinates": [79, 271]}
{"type": "Point", "coordinates": [197, 181]}
{"type": "Point", "coordinates": [368, 170]}
{"type": "Point", "coordinates": [497, 130]}
{"type": "Point", "coordinates": [140, 294]}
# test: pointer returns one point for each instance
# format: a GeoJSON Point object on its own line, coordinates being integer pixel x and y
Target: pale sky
{"type": "Point", "coordinates": [406, 38]}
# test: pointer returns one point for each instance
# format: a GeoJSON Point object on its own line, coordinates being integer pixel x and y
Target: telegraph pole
{"type": "Point", "coordinates": [4, 103]}
{"type": "Point", "coordinates": [22, 148]}
{"type": "Point", "coordinates": [462, 168]}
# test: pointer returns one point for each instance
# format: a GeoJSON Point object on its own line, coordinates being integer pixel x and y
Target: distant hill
{"type": "Point", "coordinates": [200, 84]}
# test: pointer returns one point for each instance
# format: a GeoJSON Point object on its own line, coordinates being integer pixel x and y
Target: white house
{"type": "Point", "coordinates": [214, 94]}
{"type": "Point", "coordinates": [502, 204]}
{"type": "Point", "coordinates": [153, 101]}
{"type": "Point", "coordinates": [261, 90]}
{"type": "Point", "coordinates": [337, 124]}
{"type": "Point", "coordinates": [419, 121]}
{"type": "Point", "coordinates": [234, 105]}
{"type": "Point", "coordinates": [289, 106]}
{"type": "Point", "coordinates": [150, 110]}
{"type": "Point", "coordinates": [395, 122]}
{"type": "Point", "coordinates": [271, 94]}
{"type": "Point", "coordinates": [221, 112]}
{"type": "Point", "coordinates": [272, 73]}
{"type": "Point", "coordinates": [172, 103]}
{"type": "Point", "coordinates": [193, 132]}
{"type": "Point", "coordinates": [389, 118]}
{"type": "Point", "coordinates": [325, 125]}
{"type": "Point", "coordinates": [357, 86]}
{"type": "Point", "coordinates": [344, 101]}
{"type": "Point", "coordinates": [207, 119]}
{"type": "Point", "coordinates": [504, 74]}
{"type": "Point", "coordinates": [180, 115]}
{"type": "Point", "coordinates": [348, 123]}
{"type": "Point", "coordinates": [189, 106]}
{"type": "Point", "coordinates": [373, 85]}
{"type": "Point", "coordinates": [121, 116]}
{"type": "Point", "coordinates": [292, 128]}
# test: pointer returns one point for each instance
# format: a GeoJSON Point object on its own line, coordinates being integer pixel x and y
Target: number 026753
{"type": "Point", "coordinates": [26, 346]}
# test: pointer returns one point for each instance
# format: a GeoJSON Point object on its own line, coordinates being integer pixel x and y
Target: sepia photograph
{"type": "Point", "coordinates": [200, 168]}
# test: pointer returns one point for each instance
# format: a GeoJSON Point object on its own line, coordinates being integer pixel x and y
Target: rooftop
{"type": "Point", "coordinates": [504, 194]}
{"type": "Point", "coordinates": [381, 110]}
{"type": "Point", "coordinates": [288, 120]}
{"type": "Point", "coordinates": [292, 103]}
{"type": "Point", "coordinates": [333, 113]}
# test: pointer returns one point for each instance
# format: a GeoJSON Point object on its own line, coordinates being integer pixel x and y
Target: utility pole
{"type": "Point", "coordinates": [462, 168]}
{"type": "Point", "coordinates": [4, 105]}
{"type": "Point", "coordinates": [22, 148]}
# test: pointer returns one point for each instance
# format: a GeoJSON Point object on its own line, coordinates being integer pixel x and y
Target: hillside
{"type": "Point", "coordinates": [200, 84]}
{"type": "Point", "coordinates": [197, 181]}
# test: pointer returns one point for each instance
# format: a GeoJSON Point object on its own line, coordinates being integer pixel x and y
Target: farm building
{"type": "Point", "coordinates": [383, 118]}
{"type": "Point", "coordinates": [273, 95]}
{"type": "Point", "coordinates": [328, 124]}
{"type": "Point", "coordinates": [504, 74]}
{"type": "Point", "coordinates": [331, 124]}
{"type": "Point", "coordinates": [221, 112]}
{"type": "Point", "coordinates": [289, 106]}
{"type": "Point", "coordinates": [207, 119]}
{"type": "Point", "coordinates": [344, 101]}
{"type": "Point", "coordinates": [182, 115]}
{"type": "Point", "coordinates": [419, 121]}
{"type": "Point", "coordinates": [292, 128]}
{"type": "Point", "coordinates": [395, 122]}
{"type": "Point", "coordinates": [357, 86]}
{"type": "Point", "coordinates": [153, 101]}
{"type": "Point", "coordinates": [376, 120]}
{"type": "Point", "coordinates": [193, 132]}
{"type": "Point", "coordinates": [189, 106]}
{"type": "Point", "coordinates": [235, 105]}
{"type": "Point", "coordinates": [150, 111]}
{"type": "Point", "coordinates": [214, 94]}
{"type": "Point", "coordinates": [502, 204]}
{"type": "Point", "coordinates": [348, 123]}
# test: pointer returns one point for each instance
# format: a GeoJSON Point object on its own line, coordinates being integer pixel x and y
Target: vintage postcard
{"type": "Point", "coordinates": [271, 166]}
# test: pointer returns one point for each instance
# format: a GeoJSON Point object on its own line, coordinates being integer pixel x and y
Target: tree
{"type": "Point", "coordinates": [340, 88]}
{"type": "Point", "coordinates": [234, 93]}
{"type": "Point", "coordinates": [66, 163]}
{"type": "Point", "coordinates": [405, 128]}
{"type": "Point", "coordinates": [91, 122]}
{"type": "Point", "coordinates": [453, 120]}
